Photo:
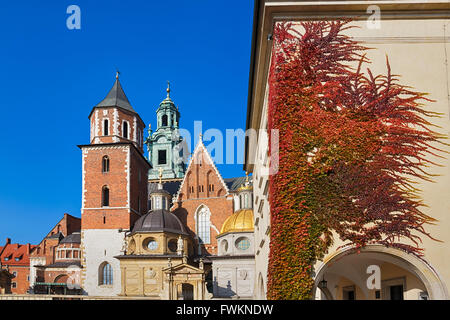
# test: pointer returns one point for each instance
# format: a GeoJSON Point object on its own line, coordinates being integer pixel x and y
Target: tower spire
{"type": "Point", "coordinates": [168, 89]}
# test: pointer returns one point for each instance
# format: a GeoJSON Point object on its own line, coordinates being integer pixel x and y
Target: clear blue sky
{"type": "Point", "coordinates": [51, 77]}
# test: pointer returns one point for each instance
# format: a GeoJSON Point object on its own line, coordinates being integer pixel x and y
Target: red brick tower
{"type": "Point", "coordinates": [114, 193]}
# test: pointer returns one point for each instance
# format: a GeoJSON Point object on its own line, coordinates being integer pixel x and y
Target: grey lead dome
{"type": "Point", "coordinates": [159, 221]}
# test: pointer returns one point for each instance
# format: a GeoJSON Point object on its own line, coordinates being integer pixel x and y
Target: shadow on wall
{"type": "Point", "coordinates": [223, 292]}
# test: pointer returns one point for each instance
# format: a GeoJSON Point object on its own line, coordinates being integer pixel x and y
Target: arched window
{"type": "Point", "coordinates": [105, 164]}
{"type": "Point", "coordinates": [164, 120]}
{"type": "Point", "coordinates": [105, 127]}
{"type": "Point", "coordinates": [204, 225]}
{"type": "Point", "coordinates": [105, 196]}
{"type": "Point", "coordinates": [106, 274]}
{"type": "Point", "coordinates": [125, 129]}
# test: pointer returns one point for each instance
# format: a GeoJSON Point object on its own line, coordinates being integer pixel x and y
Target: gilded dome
{"type": "Point", "coordinates": [240, 221]}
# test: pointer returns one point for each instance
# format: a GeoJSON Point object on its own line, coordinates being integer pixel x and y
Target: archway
{"type": "Point", "coordinates": [344, 275]}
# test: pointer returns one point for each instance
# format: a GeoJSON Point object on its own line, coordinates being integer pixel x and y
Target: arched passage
{"type": "Point", "coordinates": [402, 275]}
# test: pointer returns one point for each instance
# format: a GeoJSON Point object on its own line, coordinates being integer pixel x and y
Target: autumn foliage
{"type": "Point", "coordinates": [351, 145]}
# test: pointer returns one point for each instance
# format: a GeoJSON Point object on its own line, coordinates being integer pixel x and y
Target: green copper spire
{"type": "Point", "coordinates": [164, 144]}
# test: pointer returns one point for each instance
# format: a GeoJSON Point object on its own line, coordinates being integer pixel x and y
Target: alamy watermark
{"type": "Point", "coordinates": [73, 22]}
{"type": "Point", "coordinates": [229, 147]}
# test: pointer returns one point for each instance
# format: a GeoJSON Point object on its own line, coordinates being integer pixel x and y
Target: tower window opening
{"type": "Point", "coordinates": [105, 197]}
{"type": "Point", "coordinates": [106, 127]}
{"type": "Point", "coordinates": [105, 164]}
{"type": "Point", "coordinates": [162, 157]}
{"type": "Point", "coordinates": [164, 120]}
{"type": "Point", "coordinates": [125, 129]}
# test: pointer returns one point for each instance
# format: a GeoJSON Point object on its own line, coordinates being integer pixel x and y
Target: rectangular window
{"type": "Point", "coordinates": [14, 285]}
{"type": "Point", "coordinates": [105, 127]}
{"type": "Point", "coordinates": [261, 204]}
{"type": "Point", "coordinates": [162, 157]}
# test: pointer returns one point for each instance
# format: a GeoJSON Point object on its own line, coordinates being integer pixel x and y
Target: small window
{"type": "Point", "coordinates": [224, 246]}
{"type": "Point", "coordinates": [105, 164]}
{"type": "Point", "coordinates": [14, 285]}
{"type": "Point", "coordinates": [164, 121]}
{"type": "Point", "coordinates": [14, 274]}
{"type": "Point", "coordinates": [152, 245]}
{"type": "Point", "coordinates": [173, 245]}
{"type": "Point", "coordinates": [243, 243]}
{"type": "Point", "coordinates": [125, 129]}
{"type": "Point", "coordinates": [105, 197]}
{"type": "Point", "coordinates": [162, 157]}
{"type": "Point", "coordinates": [106, 127]}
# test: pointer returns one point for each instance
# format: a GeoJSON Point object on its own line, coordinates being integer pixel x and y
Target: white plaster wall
{"type": "Point", "coordinates": [234, 277]}
{"type": "Point", "coordinates": [100, 245]}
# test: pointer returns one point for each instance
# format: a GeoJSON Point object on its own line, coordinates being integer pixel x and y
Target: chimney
{"type": "Point", "coordinates": [8, 241]}
{"type": "Point", "coordinates": [28, 248]}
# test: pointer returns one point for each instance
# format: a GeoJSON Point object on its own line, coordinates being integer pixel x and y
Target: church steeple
{"type": "Point", "coordinates": [164, 144]}
{"type": "Point", "coordinates": [116, 97]}
{"type": "Point", "coordinates": [114, 120]}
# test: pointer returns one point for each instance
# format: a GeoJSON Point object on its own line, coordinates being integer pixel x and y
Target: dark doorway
{"type": "Point", "coordinates": [187, 292]}
{"type": "Point", "coordinates": [396, 292]}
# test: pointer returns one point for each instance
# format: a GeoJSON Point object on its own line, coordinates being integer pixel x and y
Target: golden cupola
{"type": "Point", "coordinates": [240, 221]}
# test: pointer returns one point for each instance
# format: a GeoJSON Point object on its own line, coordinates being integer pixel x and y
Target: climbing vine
{"type": "Point", "coordinates": [351, 145]}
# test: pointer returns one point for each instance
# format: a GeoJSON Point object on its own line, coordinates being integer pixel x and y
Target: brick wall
{"type": "Point", "coordinates": [203, 185]}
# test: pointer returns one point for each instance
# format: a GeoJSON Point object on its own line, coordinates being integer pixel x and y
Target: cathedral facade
{"type": "Point", "coordinates": [149, 226]}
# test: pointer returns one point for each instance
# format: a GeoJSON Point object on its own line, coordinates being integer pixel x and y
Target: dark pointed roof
{"type": "Point", "coordinates": [116, 98]}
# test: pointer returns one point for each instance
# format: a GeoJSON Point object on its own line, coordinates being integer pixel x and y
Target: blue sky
{"type": "Point", "coordinates": [51, 77]}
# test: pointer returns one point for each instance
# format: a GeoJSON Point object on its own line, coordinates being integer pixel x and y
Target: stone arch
{"type": "Point", "coordinates": [419, 267]}
{"type": "Point", "coordinates": [62, 278]}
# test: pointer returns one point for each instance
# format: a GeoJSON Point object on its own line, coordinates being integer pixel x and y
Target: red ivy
{"type": "Point", "coordinates": [350, 142]}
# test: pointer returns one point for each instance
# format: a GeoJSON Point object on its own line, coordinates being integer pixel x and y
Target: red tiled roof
{"type": "Point", "coordinates": [16, 254]}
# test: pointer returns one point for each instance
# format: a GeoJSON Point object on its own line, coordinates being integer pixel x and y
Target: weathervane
{"type": "Point", "coordinates": [117, 73]}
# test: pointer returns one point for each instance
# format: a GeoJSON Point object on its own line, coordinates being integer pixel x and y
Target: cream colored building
{"type": "Point", "coordinates": [157, 260]}
{"type": "Point", "coordinates": [234, 265]}
{"type": "Point", "coordinates": [415, 35]}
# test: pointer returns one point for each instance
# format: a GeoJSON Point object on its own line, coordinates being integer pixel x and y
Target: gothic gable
{"type": "Point", "coordinates": [202, 179]}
